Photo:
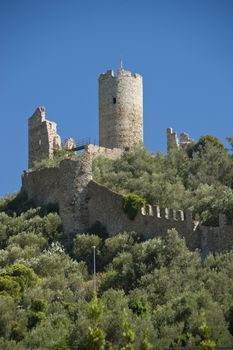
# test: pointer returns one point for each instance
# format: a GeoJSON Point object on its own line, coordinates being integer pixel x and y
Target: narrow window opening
{"type": "Point", "coordinates": [114, 100]}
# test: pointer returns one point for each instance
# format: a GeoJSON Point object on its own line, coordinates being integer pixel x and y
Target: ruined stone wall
{"type": "Point", "coordinates": [185, 140]}
{"type": "Point", "coordinates": [217, 239]}
{"type": "Point", "coordinates": [42, 137]}
{"type": "Point", "coordinates": [42, 186]}
{"type": "Point", "coordinates": [82, 202]}
{"type": "Point", "coordinates": [120, 110]}
{"type": "Point", "coordinates": [96, 151]}
{"type": "Point", "coordinates": [173, 141]}
{"type": "Point", "coordinates": [106, 207]}
{"type": "Point", "coordinates": [65, 186]}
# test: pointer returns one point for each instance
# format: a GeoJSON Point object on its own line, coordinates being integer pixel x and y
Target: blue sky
{"type": "Point", "coordinates": [52, 52]}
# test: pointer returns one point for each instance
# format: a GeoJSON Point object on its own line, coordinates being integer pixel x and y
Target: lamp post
{"type": "Point", "coordinates": [94, 269]}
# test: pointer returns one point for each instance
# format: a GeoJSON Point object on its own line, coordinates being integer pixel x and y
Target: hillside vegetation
{"type": "Point", "coordinates": [200, 179]}
{"type": "Point", "coordinates": [152, 294]}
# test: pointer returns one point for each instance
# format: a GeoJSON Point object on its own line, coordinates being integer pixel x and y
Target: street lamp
{"type": "Point", "coordinates": [94, 269]}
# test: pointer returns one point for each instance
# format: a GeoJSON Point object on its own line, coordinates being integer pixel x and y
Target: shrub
{"type": "Point", "coordinates": [39, 305]}
{"type": "Point", "coordinates": [131, 204]}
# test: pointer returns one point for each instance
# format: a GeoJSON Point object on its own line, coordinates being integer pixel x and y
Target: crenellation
{"type": "Point", "coordinates": [164, 213]}
{"type": "Point", "coordinates": [156, 211]}
{"type": "Point", "coordinates": [180, 215]}
{"type": "Point", "coordinates": [149, 210]}
{"type": "Point", "coordinates": [109, 73]}
{"type": "Point", "coordinates": [172, 214]}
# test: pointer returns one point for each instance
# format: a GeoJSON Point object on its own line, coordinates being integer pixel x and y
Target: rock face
{"type": "Point", "coordinates": [43, 139]}
{"type": "Point", "coordinates": [120, 110]}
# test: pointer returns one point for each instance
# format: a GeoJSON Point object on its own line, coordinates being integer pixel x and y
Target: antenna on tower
{"type": "Point", "coordinates": [121, 63]}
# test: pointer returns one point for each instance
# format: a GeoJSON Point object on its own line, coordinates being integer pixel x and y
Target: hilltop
{"type": "Point", "coordinates": [152, 293]}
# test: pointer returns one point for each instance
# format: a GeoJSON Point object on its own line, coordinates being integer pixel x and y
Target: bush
{"type": "Point", "coordinates": [39, 305]}
{"type": "Point", "coordinates": [131, 204]}
{"type": "Point", "coordinates": [20, 273]}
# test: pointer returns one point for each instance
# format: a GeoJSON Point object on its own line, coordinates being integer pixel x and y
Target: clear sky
{"type": "Point", "coordinates": [52, 52]}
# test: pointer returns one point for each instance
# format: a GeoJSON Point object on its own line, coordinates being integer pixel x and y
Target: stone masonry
{"type": "Point", "coordinates": [173, 141]}
{"type": "Point", "coordinates": [82, 203]}
{"type": "Point", "coordinates": [43, 139]}
{"type": "Point", "coordinates": [120, 110]}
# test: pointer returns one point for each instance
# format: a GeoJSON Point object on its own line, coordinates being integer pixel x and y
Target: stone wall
{"type": "Point", "coordinates": [96, 151]}
{"type": "Point", "coordinates": [120, 109]}
{"type": "Point", "coordinates": [173, 141]}
{"type": "Point", "coordinates": [106, 207]}
{"type": "Point", "coordinates": [42, 186]}
{"type": "Point", "coordinates": [83, 202]}
{"type": "Point", "coordinates": [42, 137]}
{"type": "Point", "coordinates": [75, 174]}
{"type": "Point", "coordinates": [216, 239]}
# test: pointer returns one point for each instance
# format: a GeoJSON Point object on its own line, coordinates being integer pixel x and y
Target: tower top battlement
{"type": "Point", "coordinates": [120, 73]}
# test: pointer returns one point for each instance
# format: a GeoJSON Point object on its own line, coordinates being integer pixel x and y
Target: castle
{"type": "Point", "coordinates": [84, 203]}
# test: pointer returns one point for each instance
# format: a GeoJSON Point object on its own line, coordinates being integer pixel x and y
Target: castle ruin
{"type": "Point", "coordinates": [43, 139]}
{"type": "Point", "coordinates": [173, 141]}
{"type": "Point", "coordinates": [83, 202]}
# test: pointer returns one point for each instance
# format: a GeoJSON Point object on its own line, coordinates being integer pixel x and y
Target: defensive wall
{"type": "Point", "coordinates": [106, 207]}
{"type": "Point", "coordinates": [82, 203]}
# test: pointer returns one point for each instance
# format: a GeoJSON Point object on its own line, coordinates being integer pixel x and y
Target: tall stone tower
{"type": "Point", "coordinates": [43, 139]}
{"type": "Point", "coordinates": [120, 110]}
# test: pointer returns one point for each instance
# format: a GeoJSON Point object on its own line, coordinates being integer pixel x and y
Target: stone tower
{"type": "Point", "coordinates": [120, 110]}
{"type": "Point", "coordinates": [43, 139]}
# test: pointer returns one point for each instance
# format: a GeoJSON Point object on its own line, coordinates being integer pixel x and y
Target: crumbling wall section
{"type": "Point", "coordinates": [185, 140]}
{"type": "Point", "coordinates": [43, 139]}
{"type": "Point", "coordinates": [173, 141]}
{"type": "Point", "coordinates": [42, 186]}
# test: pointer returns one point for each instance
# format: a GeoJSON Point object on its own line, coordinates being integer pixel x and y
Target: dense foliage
{"type": "Point", "coordinates": [200, 179]}
{"type": "Point", "coordinates": [152, 294]}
